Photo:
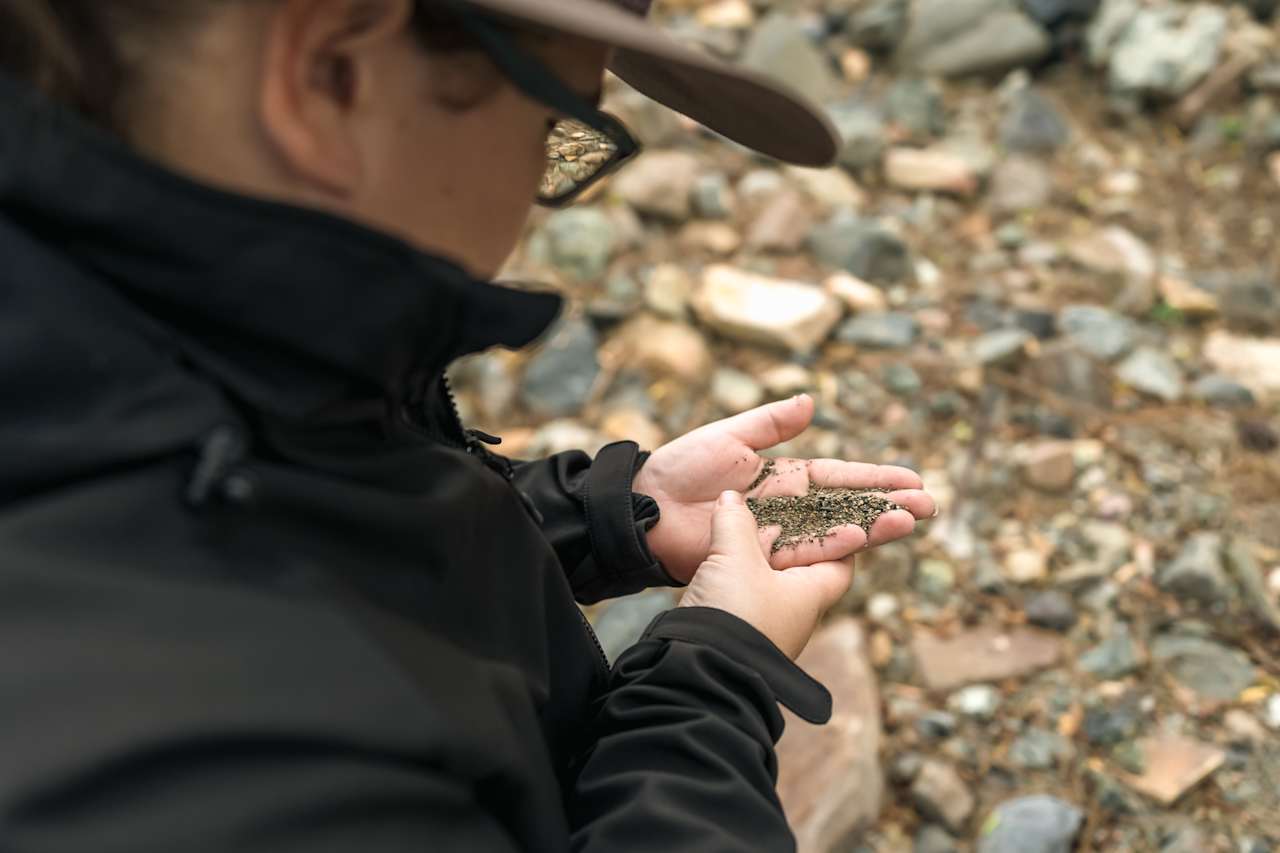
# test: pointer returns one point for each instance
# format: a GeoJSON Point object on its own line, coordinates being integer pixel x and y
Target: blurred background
{"type": "Point", "coordinates": [1046, 274]}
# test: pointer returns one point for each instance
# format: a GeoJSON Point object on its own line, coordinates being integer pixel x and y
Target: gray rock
{"type": "Point", "coordinates": [1198, 571]}
{"type": "Point", "coordinates": [735, 391]}
{"type": "Point", "coordinates": [878, 25]}
{"type": "Point", "coordinates": [581, 241]}
{"type": "Point", "coordinates": [862, 132]}
{"type": "Point", "coordinates": [1051, 14]}
{"type": "Point", "coordinates": [712, 196]}
{"type": "Point", "coordinates": [934, 839]}
{"type": "Point", "coordinates": [958, 37]}
{"type": "Point", "coordinates": [1107, 28]}
{"type": "Point", "coordinates": [941, 795]}
{"type": "Point", "coordinates": [1222, 392]}
{"type": "Point", "coordinates": [1166, 50]}
{"type": "Point", "coordinates": [559, 379]}
{"type": "Point", "coordinates": [1098, 331]}
{"type": "Point", "coordinates": [1033, 124]}
{"type": "Point", "coordinates": [1253, 587]}
{"type": "Point", "coordinates": [863, 247]}
{"type": "Point", "coordinates": [1153, 372]}
{"type": "Point", "coordinates": [623, 621]}
{"type": "Point", "coordinates": [1210, 669]}
{"type": "Point", "coordinates": [902, 379]}
{"type": "Point", "coordinates": [936, 725]}
{"type": "Point", "coordinates": [1185, 839]}
{"type": "Point", "coordinates": [1039, 749]}
{"type": "Point", "coordinates": [1036, 824]}
{"type": "Point", "coordinates": [1106, 725]}
{"type": "Point", "coordinates": [781, 48]}
{"type": "Point", "coordinates": [1020, 183]}
{"type": "Point", "coordinates": [915, 105]}
{"type": "Point", "coordinates": [889, 330]}
{"type": "Point", "coordinates": [1115, 657]}
{"type": "Point", "coordinates": [905, 767]}
{"type": "Point", "coordinates": [1003, 346]}
{"type": "Point", "coordinates": [1052, 609]}
{"type": "Point", "coordinates": [1249, 300]}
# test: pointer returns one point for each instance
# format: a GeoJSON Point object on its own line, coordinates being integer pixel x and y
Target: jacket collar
{"type": "Point", "coordinates": [297, 312]}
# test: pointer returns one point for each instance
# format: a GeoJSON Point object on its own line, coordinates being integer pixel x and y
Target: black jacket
{"type": "Point", "coordinates": [259, 590]}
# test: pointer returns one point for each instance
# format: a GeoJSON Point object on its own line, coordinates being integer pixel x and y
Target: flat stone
{"type": "Point", "coordinates": [1198, 572]}
{"type": "Point", "coordinates": [1003, 346]}
{"type": "Point", "coordinates": [1114, 250]}
{"type": "Point", "coordinates": [931, 170]}
{"type": "Point", "coordinates": [758, 309]}
{"type": "Point", "coordinates": [1020, 183]}
{"type": "Point", "coordinates": [1253, 362]}
{"type": "Point", "coordinates": [663, 348]}
{"type": "Point", "coordinates": [1035, 824]}
{"type": "Point", "coordinates": [942, 796]}
{"type": "Point", "coordinates": [1222, 392]}
{"type": "Point", "coordinates": [1153, 372]}
{"type": "Point", "coordinates": [1098, 331]}
{"type": "Point", "coordinates": [889, 330]}
{"type": "Point", "coordinates": [781, 48]}
{"type": "Point", "coordinates": [857, 295]}
{"type": "Point", "coordinates": [829, 777]}
{"type": "Point", "coordinates": [985, 653]}
{"type": "Point", "coordinates": [1116, 656]}
{"type": "Point", "coordinates": [960, 37]}
{"type": "Point", "coordinates": [1213, 671]}
{"type": "Point", "coordinates": [581, 241]}
{"type": "Point", "coordinates": [862, 247]}
{"type": "Point", "coordinates": [1050, 465]}
{"type": "Point", "coordinates": [659, 183]}
{"type": "Point", "coordinates": [1174, 765]}
{"type": "Point", "coordinates": [560, 377]}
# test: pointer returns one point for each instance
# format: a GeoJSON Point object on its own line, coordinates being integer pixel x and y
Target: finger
{"type": "Point", "coordinates": [764, 426]}
{"type": "Point", "coordinates": [893, 525]}
{"type": "Point", "coordinates": [829, 580]}
{"type": "Point", "coordinates": [836, 474]}
{"type": "Point", "coordinates": [919, 503]}
{"type": "Point", "coordinates": [733, 527]}
{"type": "Point", "coordinates": [839, 544]}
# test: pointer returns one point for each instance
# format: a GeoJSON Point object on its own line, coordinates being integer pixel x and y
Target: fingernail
{"type": "Point", "coordinates": [936, 509]}
{"type": "Point", "coordinates": [729, 498]}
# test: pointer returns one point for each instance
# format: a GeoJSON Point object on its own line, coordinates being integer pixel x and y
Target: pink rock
{"type": "Point", "coordinates": [932, 170]}
{"type": "Point", "coordinates": [1050, 466]}
{"type": "Point", "coordinates": [777, 312]}
{"type": "Point", "coordinates": [829, 777]}
{"type": "Point", "coordinates": [1174, 765]}
{"type": "Point", "coordinates": [988, 653]}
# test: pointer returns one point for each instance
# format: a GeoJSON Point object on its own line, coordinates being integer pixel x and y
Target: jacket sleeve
{"type": "Point", "coordinates": [683, 741]}
{"type": "Point", "coordinates": [596, 524]}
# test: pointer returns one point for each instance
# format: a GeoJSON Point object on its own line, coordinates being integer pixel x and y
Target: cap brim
{"type": "Point", "coordinates": [747, 107]}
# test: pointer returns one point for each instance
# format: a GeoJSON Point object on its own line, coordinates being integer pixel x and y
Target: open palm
{"type": "Point", "coordinates": [687, 475]}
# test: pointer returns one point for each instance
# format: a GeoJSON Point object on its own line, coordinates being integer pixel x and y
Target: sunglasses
{"type": "Point", "coordinates": [583, 146]}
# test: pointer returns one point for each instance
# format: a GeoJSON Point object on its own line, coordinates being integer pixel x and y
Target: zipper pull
{"type": "Point", "coordinates": [482, 436]}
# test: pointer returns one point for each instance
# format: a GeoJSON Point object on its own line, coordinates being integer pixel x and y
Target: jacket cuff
{"type": "Point", "coordinates": [617, 521]}
{"type": "Point", "coordinates": [794, 688]}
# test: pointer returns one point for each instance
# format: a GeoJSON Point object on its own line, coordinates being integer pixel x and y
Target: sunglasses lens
{"type": "Point", "coordinates": [576, 154]}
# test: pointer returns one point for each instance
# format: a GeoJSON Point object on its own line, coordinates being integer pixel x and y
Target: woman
{"type": "Point", "coordinates": [260, 590]}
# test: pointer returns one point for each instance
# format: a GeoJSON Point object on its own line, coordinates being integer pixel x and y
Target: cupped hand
{"type": "Point", "coordinates": [687, 475]}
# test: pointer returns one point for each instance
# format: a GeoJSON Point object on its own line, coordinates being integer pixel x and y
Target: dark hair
{"type": "Point", "coordinates": [74, 51]}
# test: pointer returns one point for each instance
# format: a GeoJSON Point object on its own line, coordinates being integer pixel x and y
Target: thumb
{"type": "Point", "coordinates": [829, 581]}
{"type": "Point", "coordinates": [764, 426]}
{"type": "Point", "coordinates": [733, 527]}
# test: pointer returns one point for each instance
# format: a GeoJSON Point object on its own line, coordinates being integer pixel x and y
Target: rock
{"type": "Point", "coordinates": [829, 778]}
{"type": "Point", "coordinates": [862, 131]}
{"type": "Point", "coordinates": [562, 435]}
{"type": "Point", "coordinates": [914, 106]}
{"type": "Point", "coordinates": [1108, 26]}
{"type": "Point", "coordinates": [1174, 765]}
{"type": "Point", "coordinates": [878, 25]}
{"type": "Point", "coordinates": [959, 37]}
{"type": "Point", "coordinates": [1035, 824]}
{"type": "Point", "coordinates": [659, 183]}
{"type": "Point", "coordinates": [786, 380]}
{"type": "Point", "coordinates": [1050, 465]}
{"type": "Point", "coordinates": [934, 839]}
{"type": "Point", "coordinates": [713, 197]}
{"type": "Point", "coordinates": [1197, 572]}
{"type": "Point", "coordinates": [1052, 609]}
{"type": "Point", "coordinates": [1164, 51]}
{"type": "Point", "coordinates": [981, 654]}
{"type": "Point", "coordinates": [1249, 301]}
{"type": "Point", "coordinates": [1025, 565]}
{"type": "Point", "coordinates": [1038, 749]}
{"type": "Point", "coordinates": [1186, 839]}
{"type": "Point", "coordinates": [1109, 725]}
{"type": "Point", "coordinates": [663, 348]}
{"type": "Point", "coordinates": [930, 170]}
{"type": "Point", "coordinates": [940, 795]}
{"type": "Point", "coordinates": [630, 424]}
{"type": "Point", "coordinates": [1003, 346]}
{"type": "Point", "coordinates": [937, 725]}
{"type": "Point", "coordinates": [888, 330]}
{"type": "Point", "coordinates": [1186, 298]}
{"type": "Point", "coordinates": [771, 311]}
{"type": "Point", "coordinates": [1033, 125]}
{"type": "Point", "coordinates": [624, 620]}
{"type": "Point", "coordinates": [978, 700]}
{"type": "Point", "coordinates": [861, 247]}
{"type": "Point", "coordinates": [1213, 671]}
{"type": "Point", "coordinates": [1253, 588]}
{"type": "Point", "coordinates": [1244, 728]}
{"type": "Point", "coordinates": [902, 379]}
{"type": "Point", "coordinates": [1114, 251]}
{"type": "Point", "coordinates": [1253, 362]}
{"type": "Point", "coordinates": [830, 188]}
{"type": "Point", "coordinates": [718, 238]}
{"type": "Point", "coordinates": [735, 391]}
{"type": "Point", "coordinates": [1115, 657]}
{"type": "Point", "coordinates": [489, 376]}
{"type": "Point", "coordinates": [780, 48]}
{"type": "Point", "coordinates": [667, 291]}
{"type": "Point", "coordinates": [560, 377]}
{"type": "Point", "coordinates": [1020, 183]}
{"type": "Point", "coordinates": [1051, 14]}
{"type": "Point", "coordinates": [1153, 372]}
{"type": "Point", "coordinates": [905, 768]}
{"type": "Point", "coordinates": [1271, 712]}
{"type": "Point", "coordinates": [1065, 369]}
{"type": "Point", "coordinates": [1222, 392]}
{"type": "Point", "coordinates": [857, 295]}
{"type": "Point", "coordinates": [781, 224]}
{"type": "Point", "coordinates": [1101, 333]}
{"type": "Point", "coordinates": [581, 241]}
{"type": "Point", "coordinates": [759, 185]}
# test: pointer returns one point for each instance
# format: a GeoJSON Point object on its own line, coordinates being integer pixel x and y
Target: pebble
{"type": "Point", "coordinates": [1050, 466]}
{"type": "Point", "coordinates": [581, 241]}
{"type": "Point", "coordinates": [663, 348]}
{"type": "Point", "coordinates": [1025, 566]}
{"type": "Point", "coordinates": [713, 196]}
{"type": "Point", "coordinates": [1174, 765]}
{"type": "Point", "coordinates": [1222, 392]}
{"type": "Point", "coordinates": [1020, 183]}
{"type": "Point", "coordinates": [1214, 671]}
{"type": "Point", "coordinates": [1244, 728]}
{"type": "Point", "coordinates": [781, 48]}
{"type": "Point", "coordinates": [902, 379]}
{"type": "Point", "coordinates": [1249, 361]}
{"type": "Point", "coordinates": [1271, 712]}
{"type": "Point", "coordinates": [878, 25]}
{"type": "Point", "coordinates": [1153, 372]}
{"type": "Point", "coordinates": [981, 654]}
{"type": "Point", "coordinates": [1033, 124]}
{"type": "Point", "coordinates": [861, 247]}
{"type": "Point", "coordinates": [862, 133]}
{"type": "Point", "coordinates": [1115, 657]}
{"type": "Point", "coordinates": [978, 700]}
{"type": "Point", "coordinates": [561, 376]}
{"type": "Point", "coordinates": [1198, 571]}
{"type": "Point", "coordinates": [914, 105]}
{"type": "Point", "coordinates": [1164, 51]}
{"type": "Point", "coordinates": [1098, 331]}
{"type": "Point", "coordinates": [659, 183]}
{"type": "Point", "coordinates": [931, 170]}
{"type": "Point", "coordinates": [1052, 609]}
{"type": "Point", "coordinates": [735, 391]}
{"type": "Point", "coordinates": [782, 313]}
{"type": "Point", "coordinates": [830, 188]}
{"type": "Point", "coordinates": [667, 291]}
{"type": "Point", "coordinates": [781, 224]}
{"type": "Point", "coordinates": [785, 380]}
{"type": "Point", "coordinates": [1108, 725]}
{"type": "Point", "coordinates": [1034, 824]}
{"type": "Point", "coordinates": [961, 37]}
{"type": "Point", "coordinates": [942, 796]}
{"type": "Point", "coordinates": [934, 839]}
{"type": "Point", "coordinates": [1001, 347]}
{"type": "Point", "coordinates": [857, 295]}
{"type": "Point", "coordinates": [936, 725]}
{"type": "Point", "coordinates": [887, 330]}
{"type": "Point", "coordinates": [1039, 749]}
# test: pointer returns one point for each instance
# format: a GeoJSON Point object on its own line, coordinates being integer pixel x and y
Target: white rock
{"type": "Point", "coordinates": [759, 309]}
{"type": "Point", "coordinates": [1026, 565]}
{"type": "Point", "coordinates": [726, 14]}
{"type": "Point", "coordinates": [830, 188]}
{"type": "Point", "coordinates": [787, 379]}
{"type": "Point", "coordinates": [667, 291]}
{"type": "Point", "coordinates": [932, 170]}
{"type": "Point", "coordinates": [1253, 362]}
{"type": "Point", "coordinates": [978, 700]}
{"type": "Point", "coordinates": [882, 607]}
{"type": "Point", "coordinates": [859, 296]}
{"type": "Point", "coordinates": [1271, 712]}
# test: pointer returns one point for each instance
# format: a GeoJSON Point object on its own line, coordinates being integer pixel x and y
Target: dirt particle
{"type": "Point", "coordinates": [815, 516]}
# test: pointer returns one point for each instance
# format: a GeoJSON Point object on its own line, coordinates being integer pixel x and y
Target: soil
{"type": "Point", "coordinates": [815, 516]}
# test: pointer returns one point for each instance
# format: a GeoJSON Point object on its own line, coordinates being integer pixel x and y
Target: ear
{"type": "Point", "coordinates": [314, 79]}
